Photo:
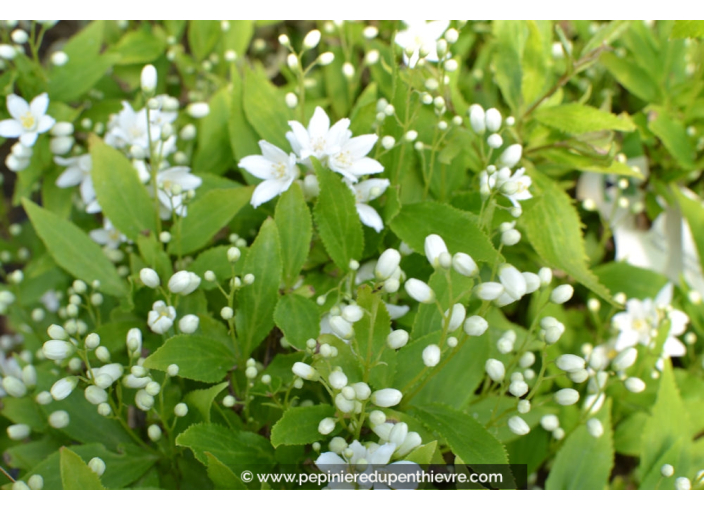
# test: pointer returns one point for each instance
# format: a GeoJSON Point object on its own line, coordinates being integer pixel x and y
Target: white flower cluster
{"type": "Point", "coordinates": [335, 148]}
{"type": "Point", "coordinates": [28, 121]}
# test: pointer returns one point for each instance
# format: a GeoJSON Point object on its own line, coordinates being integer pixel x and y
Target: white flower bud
{"type": "Point", "coordinates": [495, 369]}
{"type": "Point", "coordinates": [434, 248]}
{"type": "Point", "coordinates": [326, 426]}
{"type": "Point", "coordinates": [337, 379]}
{"type": "Point", "coordinates": [511, 155]}
{"type": "Point", "coordinates": [410, 136]}
{"type": "Point", "coordinates": [397, 339]}
{"type": "Point", "coordinates": [456, 316]}
{"type": "Point", "coordinates": [420, 291]}
{"type": "Point", "coordinates": [524, 406]}
{"type": "Point", "coordinates": [144, 400]}
{"type": "Point", "coordinates": [188, 132]}
{"type": "Point", "coordinates": [595, 428]}
{"type": "Point", "coordinates": [683, 484]}
{"type": "Point", "coordinates": [148, 79]}
{"type": "Point", "coordinates": [198, 110]}
{"type": "Point", "coordinates": [476, 326]}
{"type": "Point", "coordinates": [578, 376]}
{"type": "Point", "coordinates": [532, 282]}
{"type": "Point", "coordinates": [570, 363]}
{"type": "Point", "coordinates": [464, 264]}
{"type": "Point", "coordinates": [566, 396]}
{"type": "Point", "coordinates": [97, 465]}
{"type": "Point", "coordinates": [14, 387]}
{"type": "Point", "coordinates": [518, 388]}
{"type": "Point", "coordinates": [59, 419]}
{"type": "Point", "coordinates": [553, 334]}
{"type": "Point", "coordinates": [104, 409]}
{"type": "Point", "coordinates": [292, 61]}
{"type": "Point", "coordinates": [43, 398]}
{"type": "Point", "coordinates": [372, 57]}
{"type": "Point", "coordinates": [513, 281]}
{"type": "Point", "coordinates": [377, 417]}
{"type": "Point", "coordinates": [431, 355]}
{"type": "Point", "coordinates": [61, 144]}
{"type": "Point", "coordinates": [311, 39]}
{"type": "Point", "coordinates": [362, 390]}
{"type": "Point", "coordinates": [305, 371]}
{"type": "Point", "coordinates": [634, 385]}
{"type": "Point", "coordinates": [19, 36]}
{"type": "Point", "coordinates": [495, 141]}
{"type": "Point", "coordinates": [63, 387]}
{"type": "Point", "coordinates": [7, 52]}
{"type": "Point", "coordinates": [667, 470]}
{"type": "Point", "coordinates": [181, 410]}
{"type": "Point", "coordinates": [341, 327]}
{"type": "Point", "coordinates": [558, 434]}
{"type": "Point", "coordinates": [352, 313]}
{"type": "Point", "coordinates": [489, 291]}
{"type": "Point", "coordinates": [493, 120]}
{"type": "Point", "coordinates": [387, 264]}
{"type": "Point", "coordinates": [149, 278]}
{"type": "Point", "coordinates": [326, 58]}
{"type": "Point", "coordinates": [188, 323]}
{"type": "Point", "coordinates": [134, 341]}
{"type": "Point", "coordinates": [184, 282]}
{"type": "Point", "coordinates": [348, 70]}
{"type": "Point", "coordinates": [18, 432]}
{"type": "Point", "coordinates": [545, 275]}
{"type": "Point", "coordinates": [549, 422]}
{"type": "Point", "coordinates": [56, 332]}
{"type": "Point", "coordinates": [561, 294]}
{"type": "Point", "coordinates": [95, 395]}
{"type": "Point", "coordinates": [291, 100]}
{"type": "Point", "coordinates": [387, 397]}
{"type": "Point", "coordinates": [36, 482]}
{"type": "Point", "coordinates": [625, 359]}
{"type": "Point", "coordinates": [477, 119]}
{"type": "Point", "coordinates": [527, 360]}
{"type": "Point", "coordinates": [388, 142]}
{"type": "Point", "coordinates": [154, 432]}
{"type": "Point", "coordinates": [344, 405]}
{"type": "Point", "coordinates": [518, 426]}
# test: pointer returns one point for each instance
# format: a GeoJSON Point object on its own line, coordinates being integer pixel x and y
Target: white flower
{"type": "Point", "coordinates": [108, 236]}
{"type": "Point", "coordinates": [319, 140]}
{"type": "Point", "coordinates": [277, 168]}
{"type": "Point", "coordinates": [128, 128]}
{"type": "Point", "coordinates": [28, 120]}
{"type": "Point", "coordinates": [171, 184]}
{"type": "Point", "coordinates": [513, 281]}
{"type": "Point", "coordinates": [364, 192]}
{"type": "Point", "coordinates": [420, 34]}
{"type": "Point", "coordinates": [351, 161]}
{"type": "Point", "coordinates": [161, 317]}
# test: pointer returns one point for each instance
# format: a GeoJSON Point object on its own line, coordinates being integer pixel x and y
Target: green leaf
{"type": "Point", "coordinates": [209, 213]}
{"type": "Point", "coordinates": [423, 454]}
{"type": "Point", "coordinates": [23, 410]}
{"type": "Point", "coordinates": [235, 449]}
{"type": "Point", "coordinates": [122, 196]}
{"type": "Point", "coordinates": [214, 154]}
{"type": "Point", "coordinates": [467, 438]}
{"type": "Point", "coordinates": [256, 302]}
{"type": "Point", "coordinates": [693, 211]}
{"type": "Point", "coordinates": [139, 47]}
{"type": "Point", "coordinates": [73, 250]}
{"type": "Point", "coordinates": [668, 423]}
{"type": "Point", "coordinates": [371, 330]}
{"type": "Point", "coordinates": [265, 108]}
{"type": "Point", "coordinates": [298, 318]}
{"type": "Point", "coordinates": [673, 135]}
{"type": "Point", "coordinates": [215, 260]}
{"type": "Point", "coordinates": [687, 28]}
{"type": "Point", "coordinates": [202, 37]}
{"type": "Point", "coordinates": [243, 138]}
{"type": "Point", "coordinates": [560, 243]}
{"type": "Point", "coordinates": [607, 33]}
{"type": "Point", "coordinates": [428, 319]}
{"type": "Point", "coordinates": [238, 36]}
{"type": "Point", "coordinates": [295, 232]}
{"type": "Point", "coordinates": [222, 476]}
{"type": "Point", "coordinates": [85, 66]}
{"type": "Point", "coordinates": [417, 221]}
{"type": "Point", "coordinates": [577, 119]}
{"type": "Point", "coordinates": [506, 60]}
{"type": "Point", "coordinates": [75, 474]}
{"type": "Point", "coordinates": [536, 61]}
{"type": "Point", "coordinates": [584, 462]}
{"type": "Point", "coordinates": [635, 282]}
{"type": "Point", "coordinates": [203, 399]}
{"type": "Point", "coordinates": [299, 425]}
{"type": "Point", "coordinates": [198, 357]}
{"type": "Point", "coordinates": [632, 77]}
{"type": "Point", "coordinates": [153, 255]}
{"type": "Point", "coordinates": [337, 219]}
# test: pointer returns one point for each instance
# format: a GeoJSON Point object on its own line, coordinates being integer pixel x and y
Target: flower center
{"type": "Point", "coordinates": [343, 159]}
{"type": "Point", "coordinates": [318, 144]}
{"type": "Point", "coordinates": [278, 170]}
{"type": "Point", "coordinates": [28, 121]}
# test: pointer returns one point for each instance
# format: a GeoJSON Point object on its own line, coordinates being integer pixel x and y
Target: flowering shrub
{"type": "Point", "coordinates": [236, 247]}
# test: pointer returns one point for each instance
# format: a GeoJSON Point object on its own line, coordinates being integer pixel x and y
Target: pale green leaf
{"type": "Point", "coordinates": [577, 118]}
{"type": "Point", "coordinates": [295, 232]}
{"type": "Point", "coordinates": [198, 357]}
{"type": "Point", "coordinates": [265, 108]}
{"type": "Point", "coordinates": [299, 425]}
{"type": "Point", "coordinates": [75, 474]}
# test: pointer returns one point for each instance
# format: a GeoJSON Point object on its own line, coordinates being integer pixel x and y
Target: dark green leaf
{"type": "Point", "coordinates": [295, 231]}
{"type": "Point", "coordinates": [298, 318]}
{"type": "Point", "coordinates": [299, 425]}
{"type": "Point", "coordinates": [75, 474]}
{"type": "Point", "coordinates": [198, 357]}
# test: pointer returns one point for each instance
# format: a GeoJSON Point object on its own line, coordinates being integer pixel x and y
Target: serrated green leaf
{"type": "Point", "coordinates": [153, 255]}
{"type": "Point", "coordinates": [256, 302]}
{"type": "Point", "coordinates": [214, 154]}
{"type": "Point", "coordinates": [370, 334]}
{"type": "Point", "coordinates": [73, 250]}
{"type": "Point", "coordinates": [561, 244]}
{"type": "Point", "coordinates": [423, 454]}
{"type": "Point", "coordinates": [673, 135]}
{"type": "Point", "coordinates": [295, 232]}
{"type": "Point", "coordinates": [584, 462]}
{"type": "Point", "coordinates": [23, 410]}
{"type": "Point", "coordinates": [265, 108]}
{"type": "Point", "coordinates": [121, 194]}
{"type": "Point", "coordinates": [632, 77]}
{"type": "Point", "coordinates": [203, 399]}
{"type": "Point", "coordinates": [536, 61]}
{"type": "Point", "coordinates": [635, 282]}
{"type": "Point", "coordinates": [577, 118]}
{"type": "Point", "coordinates": [140, 47]}
{"type": "Point", "coordinates": [202, 37]}
{"type": "Point", "coordinates": [222, 476]}
{"type": "Point", "coordinates": [198, 357]}
{"type": "Point", "coordinates": [506, 60]}
{"type": "Point", "coordinates": [236, 449]}
{"type": "Point", "coordinates": [299, 425]}
{"type": "Point", "coordinates": [298, 318]}
{"type": "Point", "coordinates": [337, 219]}
{"type": "Point", "coordinates": [459, 229]}
{"type": "Point", "coordinates": [26, 456]}
{"type": "Point", "coordinates": [243, 138]}
{"type": "Point", "coordinates": [75, 474]}
{"type": "Point", "coordinates": [238, 36]}
{"type": "Point", "coordinates": [209, 213]}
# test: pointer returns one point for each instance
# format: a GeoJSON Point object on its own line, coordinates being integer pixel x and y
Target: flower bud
{"type": "Point", "coordinates": [397, 339]}
{"type": "Point", "coordinates": [291, 100]}
{"type": "Point", "coordinates": [431, 355]}
{"type": "Point", "coordinates": [387, 264]}
{"type": "Point", "coordinates": [36, 482]}
{"type": "Point", "coordinates": [59, 419]}
{"type": "Point", "coordinates": [97, 465]}
{"type": "Point", "coordinates": [495, 141]}
{"type": "Point", "coordinates": [305, 371]}
{"type": "Point", "coordinates": [184, 282]}
{"type": "Point", "coordinates": [388, 397]}
{"type": "Point", "coordinates": [198, 110]}
{"type": "Point", "coordinates": [434, 248]}
{"type": "Point", "coordinates": [464, 264]}
{"type": "Point", "coordinates": [634, 385]}
{"type": "Point", "coordinates": [495, 369]}
{"type": "Point", "coordinates": [14, 387]}
{"type": "Point", "coordinates": [149, 278]}
{"type": "Point", "coordinates": [326, 58]}
{"type": "Point", "coordinates": [513, 281]}
{"type": "Point", "coordinates": [524, 406]}
{"type": "Point", "coordinates": [625, 359]}
{"type": "Point", "coordinates": [134, 341]}
{"type": "Point", "coordinates": [154, 432]}
{"type": "Point", "coordinates": [532, 282]}
{"type": "Point", "coordinates": [352, 313]}
{"type": "Point", "coordinates": [566, 396]}
{"type": "Point", "coordinates": [362, 390]}
{"type": "Point", "coordinates": [341, 327]}
{"type": "Point", "coordinates": [489, 291]}
{"type": "Point", "coordinates": [148, 79]}
{"type": "Point", "coordinates": [455, 316]}
{"type": "Point", "coordinates": [683, 484]}
{"type": "Point", "coordinates": [18, 432]}
{"type": "Point", "coordinates": [477, 119]}
{"type": "Point", "coordinates": [420, 291]}
{"type": "Point", "coordinates": [570, 363]}
{"type": "Point", "coordinates": [337, 379]}
{"type": "Point", "coordinates": [311, 39]}
{"type": "Point", "coordinates": [56, 332]}
{"type": "Point", "coordinates": [595, 428]}
{"type": "Point", "coordinates": [63, 387]}
{"type": "Point", "coordinates": [188, 323]}
{"type": "Point", "coordinates": [561, 294]}
{"type": "Point", "coordinates": [475, 326]}
{"type": "Point", "coordinates": [518, 426]}
{"type": "Point", "coordinates": [95, 395]}
{"type": "Point", "coordinates": [511, 155]}
{"type": "Point", "coordinates": [667, 470]}
{"type": "Point", "coordinates": [493, 120]}
{"type": "Point", "coordinates": [549, 422]}
{"type": "Point", "coordinates": [181, 410]}
{"type": "Point", "coordinates": [326, 426]}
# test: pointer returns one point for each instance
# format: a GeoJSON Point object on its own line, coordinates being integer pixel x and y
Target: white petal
{"type": "Point", "coordinates": [673, 347]}
{"type": "Point", "coordinates": [88, 193]}
{"type": "Point", "coordinates": [45, 124]}
{"type": "Point", "coordinates": [100, 236]}
{"type": "Point", "coordinates": [10, 128]}
{"type": "Point", "coordinates": [365, 166]}
{"type": "Point", "coordinates": [17, 106]}
{"type": "Point", "coordinates": [268, 190]}
{"type": "Point", "coordinates": [383, 454]}
{"type": "Point", "coordinates": [272, 152]}
{"type": "Point", "coordinates": [364, 188]}
{"type": "Point", "coordinates": [369, 216]}
{"type": "Point", "coordinates": [258, 166]}
{"type": "Point", "coordinates": [329, 459]}
{"type": "Point", "coordinates": [338, 134]}
{"type": "Point", "coordinates": [39, 105]}
{"type": "Point", "coordinates": [359, 146]}
{"type": "Point", "coordinates": [28, 139]}
{"type": "Point", "coordinates": [319, 124]}
{"type": "Point", "coordinates": [72, 176]}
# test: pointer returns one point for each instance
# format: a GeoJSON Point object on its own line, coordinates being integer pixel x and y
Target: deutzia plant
{"type": "Point", "coordinates": [280, 255]}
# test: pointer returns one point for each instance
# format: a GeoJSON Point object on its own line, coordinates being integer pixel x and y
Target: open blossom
{"type": "Point", "coordinates": [277, 168]}
{"type": "Point", "coordinates": [77, 173]}
{"type": "Point", "coordinates": [514, 186]}
{"type": "Point", "coordinates": [108, 236]}
{"type": "Point", "coordinates": [351, 160]}
{"type": "Point", "coordinates": [364, 192]}
{"type": "Point", "coordinates": [421, 34]}
{"type": "Point", "coordinates": [28, 119]}
{"type": "Point", "coordinates": [161, 317]}
{"type": "Point", "coordinates": [171, 184]}
{"type": "Point", "coordinates": [319, 139]}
